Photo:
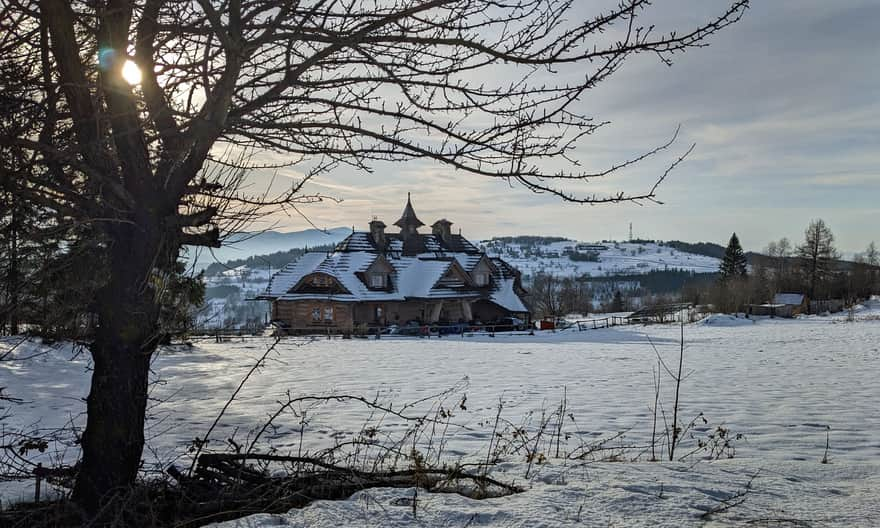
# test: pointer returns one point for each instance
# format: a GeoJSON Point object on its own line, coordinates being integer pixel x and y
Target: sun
{"type": "Point", "coordinates": [131, 73]}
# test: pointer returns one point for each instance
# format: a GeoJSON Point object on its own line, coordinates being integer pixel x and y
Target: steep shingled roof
{"type": "Point", "coordinates": [409, 216]}
{"type": "Point", "coordinates": [414, 276]}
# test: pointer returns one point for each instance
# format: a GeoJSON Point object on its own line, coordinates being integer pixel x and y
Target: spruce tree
{"type": "Point", "coordinates": [733, 264]}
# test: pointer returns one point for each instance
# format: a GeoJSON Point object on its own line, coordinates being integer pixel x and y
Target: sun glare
{"type": "Point", "coordinates": [131, 73]}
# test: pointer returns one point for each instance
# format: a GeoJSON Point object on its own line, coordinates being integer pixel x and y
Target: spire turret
{"type": "Point", "coordinates": [408, 222]}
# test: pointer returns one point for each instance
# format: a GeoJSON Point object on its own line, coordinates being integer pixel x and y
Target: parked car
{"type": "Point", "coordinates": [452, 328]}
{"type": "Point", "coordinates": [506, 324]}
{"type": "Point", "coordinates": [409, 328]}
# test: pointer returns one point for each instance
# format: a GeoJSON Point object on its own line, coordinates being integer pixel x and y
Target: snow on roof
{"type": "Point", "coordinates": [417, 276]}
{"type": "Point", "coordinates": [467, 261]}
{"type": "Point", "coordinates": [293, 273]}
{"type": "Point", "coordinates": [505, 296]}
{"type": "Point", "coordinates": [788, 298]}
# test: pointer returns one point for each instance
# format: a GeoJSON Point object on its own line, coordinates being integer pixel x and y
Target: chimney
{"type": "Point", "coordinates": [443, 229]}
{"type": "Point", "coordinates": [377, 233]}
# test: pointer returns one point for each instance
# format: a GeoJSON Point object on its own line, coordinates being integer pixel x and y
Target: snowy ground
{"type": "Point", "coordinates": [781, 383]}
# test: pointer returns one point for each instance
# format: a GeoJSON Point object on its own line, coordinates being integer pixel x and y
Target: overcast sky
{"type": "Point", "coordinates": [784, 109]}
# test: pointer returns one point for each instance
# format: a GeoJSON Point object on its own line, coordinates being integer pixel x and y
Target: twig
{"type": "Point", "coordinates": [204, 440]}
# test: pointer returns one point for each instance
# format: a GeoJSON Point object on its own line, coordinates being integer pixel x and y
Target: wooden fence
{"type": "Point", "coordinates": [605, 322]}
{"type": "Point", "coordinates": [220, 335]}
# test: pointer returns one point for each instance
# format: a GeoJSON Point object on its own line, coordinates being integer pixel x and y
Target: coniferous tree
{"type": "Point", "coordinates": [617, 303]}
{"type": "Point", "coordinates": [733, 264]}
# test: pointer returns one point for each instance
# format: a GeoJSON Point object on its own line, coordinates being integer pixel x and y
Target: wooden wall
{"type": "Point", "coordinates": [298, 314]}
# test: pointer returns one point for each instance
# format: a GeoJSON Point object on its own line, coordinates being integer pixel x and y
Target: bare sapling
{"type": "Point", "coordinates": [676, 430]}
{"type": "Point", "coordinates": [827, 444]}
{"type": "Point", "coordinates": [560, 418]}
{"type": "Point", "coordinates": [654, 412]}
{"type": "Point", "coordinates": [718, 442]}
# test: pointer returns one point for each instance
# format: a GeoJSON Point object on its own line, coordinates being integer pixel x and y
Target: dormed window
{"type": "Point", "coordinates": [378, 280]}
{"type": "Point", "coordinates": [481, 278]}
{"type": "Point", "coordinates": [322, 281]}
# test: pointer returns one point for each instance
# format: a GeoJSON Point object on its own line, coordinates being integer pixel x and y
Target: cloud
{"type": "Point", "coordinates": [783, 107]}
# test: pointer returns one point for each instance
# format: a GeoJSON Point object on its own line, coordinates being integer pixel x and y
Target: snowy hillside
{"type": "Point", "coordinates": [614, 258]}
{"type": "Point", "coordinates": [227, 295]}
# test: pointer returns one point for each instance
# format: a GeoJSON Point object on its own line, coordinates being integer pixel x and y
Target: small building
{"type": "Point", "coordinates": [783, 305]}
{"type": "Point", "coordinates": [795, 303]}
{"type": "Point", "coordinates": [374, 279]}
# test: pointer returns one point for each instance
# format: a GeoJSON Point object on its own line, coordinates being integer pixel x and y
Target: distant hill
{"type": "Point", "coordinates": [243, 245]}
{"type": "Point", "coordinates": [710, 249]}
{"type": "Point", "coordinates": [531, 240]}
{"type": "Point", "coordinates": [274, 261]}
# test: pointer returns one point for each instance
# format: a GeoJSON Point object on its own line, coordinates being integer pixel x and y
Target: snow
{"type": "Point", "coordinates": [505, 295]}
{"type": "Point", "coordinates": [414, 277]}
{"type": "Point", "coordinates": [726, 320]}
{"type": "Point", "coordinates": [781, 383]}
{"type": "Point", "coordinates": [291, 274]}
{"type": "Point", "coordinates": [789, 298]}
{"type": "Point", "coordinates": [619, 258]}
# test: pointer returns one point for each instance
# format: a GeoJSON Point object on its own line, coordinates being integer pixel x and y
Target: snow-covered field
{"type": "Point", "coordinates": [780, 383]}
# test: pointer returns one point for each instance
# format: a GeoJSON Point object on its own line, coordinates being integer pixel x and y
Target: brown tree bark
{"type": "Point", "coordinates": [128, 310]}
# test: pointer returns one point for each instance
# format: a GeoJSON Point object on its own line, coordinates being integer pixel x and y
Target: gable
{"type": "Point", "coordinates": [380, 265]}
{"type": "Point", "coordinates": [484, 265]}
{"type": "Point", "coordinates": [454, 277]}
{"type": "Point", "coordinates": [318, 282]}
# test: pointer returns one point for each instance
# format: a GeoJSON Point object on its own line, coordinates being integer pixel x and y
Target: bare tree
{"type": "Point", "coordinates": [865, 274]}
{"type": "Point", "coordinates": [157, 163]}
{"type": "Point", "coordinates": [817, 254]}
{"type": "Point", "coordinates": [871, 254]}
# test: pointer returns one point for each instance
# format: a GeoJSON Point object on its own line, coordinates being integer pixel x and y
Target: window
{"type": "Point", "coordinates": [316, 314]}
{"type": "Point", "coordinates": [377, 280]}
{"type": "Point", "coordinates": [328, 313]}
{"type": "Point", "coordinates": [481, 278]}
{"type": "Point", "coordinates": [379, 313]}
{"type": "Point", "coordinates": [320, 281]}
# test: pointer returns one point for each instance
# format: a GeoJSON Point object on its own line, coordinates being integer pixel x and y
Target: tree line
{"type": "Point", "coordinates": [812, 267]}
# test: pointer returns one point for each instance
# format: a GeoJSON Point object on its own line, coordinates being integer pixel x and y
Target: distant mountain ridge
{"type": "Point", "coordinates": [244, 245]}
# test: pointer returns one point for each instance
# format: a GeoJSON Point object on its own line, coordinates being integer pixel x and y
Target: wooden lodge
{"type": "Point", "coordinates": [375, 279]}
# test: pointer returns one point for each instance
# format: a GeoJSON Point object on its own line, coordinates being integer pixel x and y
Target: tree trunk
{"type": "Point", "coordinates": [125, 340]}
{"type": "Point", "coordinates": [113, 440]}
